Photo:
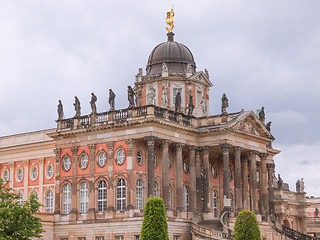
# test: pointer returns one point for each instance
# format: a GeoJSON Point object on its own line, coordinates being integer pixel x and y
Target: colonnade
{"type": "Point", "coordinates": [248, 191]}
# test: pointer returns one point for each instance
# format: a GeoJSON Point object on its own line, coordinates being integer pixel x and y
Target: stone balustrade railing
{"type": "Point", "coordinates": [313, 220]}
{"type": "Point", "coordinates": [291, 233]}
{"type": "Point", "coordinates": [136, 113]}
{"type": "Point", "coordinates": [207, 232]}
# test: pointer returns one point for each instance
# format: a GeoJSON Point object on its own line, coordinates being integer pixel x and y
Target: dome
{"type": "Point", "coordinates": [176, 56]}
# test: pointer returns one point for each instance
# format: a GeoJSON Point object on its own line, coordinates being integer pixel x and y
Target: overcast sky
{"type": "Point", "coordinates": [260, 53]}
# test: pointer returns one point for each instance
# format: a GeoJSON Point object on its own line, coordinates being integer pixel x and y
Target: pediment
{"type": "Point", "coordinates": [250, 124]}
{"type": "Point", "coordinates": [201, 77]}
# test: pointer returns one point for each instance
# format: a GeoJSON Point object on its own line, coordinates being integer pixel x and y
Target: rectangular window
{"type": "Point", "coordinates": [99, 238]}
{"type": "Point", "coordinates": [120, 237]}
{"type": "Point", "coordinates": [176, 237]}
{"type": "Point", "coordinates": [136, 237]}
{"type": "Point", "coordinates": [63, 238]}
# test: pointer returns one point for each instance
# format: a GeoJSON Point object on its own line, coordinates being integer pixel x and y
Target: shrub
{"type": "Point", "coordinates": [154, 226]}
{"type": "Point", "coordinates": [246, 227]}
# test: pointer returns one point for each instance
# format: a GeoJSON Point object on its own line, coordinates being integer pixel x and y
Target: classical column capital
{"type": "Point", "coordinates": [25, 162]}
{"type": "Point", "coordinates": [150, 139]}
{"type": "Point", "coordinates": [252, 153]}
{"type": "Point", "coordinates": [92, 148]}
{"type": "Point", "coordinates": [130, 143]}
{"type": "Point", "coordinates": [264, 156]}
{"type": "Point", "coordinates": [41, 161]}
{"type": "Point", "coordinates": [271, 166]}
{"type": "Point", "coordinates": [110, 146]}
{"type": "Point", "coordinates": [205, 150]}
{"type": "Point", "coordinates": [238, 148]}
{"type": "Point", "coordinates": [165, 143]}
{"type": "Point", "coordinates": [57, 152]}
{"type": "Point", "coordinates": [179, 146]}
{"type": "Point", "coordinates": [74, 150]}
{"type": "Point", "coordinates": [11, 164]}
{"type": "Point", "coordinates": [225, 147]}
{"type": "Point", "coordinates": [192, 149]}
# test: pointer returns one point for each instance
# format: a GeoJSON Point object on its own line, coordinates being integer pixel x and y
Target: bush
{"type": "Point", "coordinates": [246, 227]}
{"type": "Point", "coordinates": [154, 226]}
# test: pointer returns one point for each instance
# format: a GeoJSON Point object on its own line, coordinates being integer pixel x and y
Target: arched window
{"type": "Point", "coordinates": [84, 197]}
{"type": "Point", "coordinates": [139, 194]}
{"type": "Point", "coordinates": [186, 198]}
{"type": "Point", "coordinates": [102, 196]}
{"type": "Point", "coordinates": [20, 200]}
{"type": "Point", "coordinates": [121, 194]}
{"type": "Point", "coordinates": [156, 190]}
{"type": "Point", "coordinates": [215, 203]}
{"type": "Point", "coordinates": [49, 202]}
{"type": "Point", "coordinates": [66, 199]}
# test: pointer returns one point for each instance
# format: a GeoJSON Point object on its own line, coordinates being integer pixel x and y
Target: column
{"type": "Point", "coordinates": [179, 177]}
{"type": "Point", "coordinates": [226, 175]}
{"type": "Point", "coordinates": [264, 184]}
{"type": "Point", "coordinates": [198, 181]}
{"type": "Point", "coordinates": [57, 153]}
{"type": "Point", "coordinates": [245, 184]}
{"type": "Point", "coordinates": [165, 173]}
{"type": "Point", "coordinates": [151, 174]}
{"type": "Point", "coordinates": [238, 179]}
{"type": "Point", "coordinates": [192, 180]}
{"type": "Point", "coordinates": [206, 189]}
{"type": "Point", "coordinates": [130, 167]}
{"type": "Point", "coordinates": [41, 173]}
{"type": "Point", "coordinates": [253, 181]}
{"type": "Point", "coordinates": [74, 199]}
{"type": "Point", "coordinates": [92, 150]}
{"type": "Point", "coordinates": [110, 192]}
{"type": "Point", "coordinates": [270, 168]}
{"type": "Point", "coordinates": [25, 179]}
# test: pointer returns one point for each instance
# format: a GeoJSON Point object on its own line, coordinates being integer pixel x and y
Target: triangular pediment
{"type": "Point", "coordinates": [250, 124]}
{"type": "Point", "coordinates": [202, 78]}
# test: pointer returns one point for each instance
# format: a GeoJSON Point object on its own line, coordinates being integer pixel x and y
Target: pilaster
{"type": "Point", "coordinates": [253, 181]}
{"type": "Point", "coordinates": [198, 180]}
{"type": "Point", "coordinates": [192, 171]}
{"type": "Point", "coordinates": [25, 179]}
{"type": "Point", "coordinates": [206, 189]}
{"type": "Point", "coordinates": [74, 200]}
{"type": "Point", "coordinates": [179, 177]}
{"type": "Point", "coordinates": [91, 210]}
{"type": "Point", "coordinates": [226, 175]}
{"type": "Point", "coordinates": [245, 184]}
{"type": "Point", "coordinates": [41, 172]}
{"type": "Point", "coordinates": [131, 143]}
{"type": "Point", "coordinates": [238, 179]}
{"type": "Point", "coordinates": [110, 192]}
{"type": "Point", "coordinates": [57, 153]}
{"type": "Point", "coordinates": [264, 184]}
{"type": "Point", "coordinates": [151, 174]}
{"type": "Point", "coordinates": [270, 168]}
{"type": "Point", "coordinates": [165, 172]}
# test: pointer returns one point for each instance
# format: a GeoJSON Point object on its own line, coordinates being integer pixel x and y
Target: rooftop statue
{"type": "Point", "coordinates": [225, 104]}
{"type": "Point", "coordinates": [268, 126]}
{"type": "Point", "coordinates": [262, 115]}
{"type": "Point", "coordinates": [77, 106]}
{"type": "Point", "coordinates": [169, 20]}
{"type": "Point", "coordinates": [280, 181]}
{"type": "Point", "coordinates": [60, 110]}
{"type": "Point", "coordinates": [130, 97]}
{"type": "Point", "coordinates": [93, 103]}
{"type": "Point", "coordinates": [112, 97]}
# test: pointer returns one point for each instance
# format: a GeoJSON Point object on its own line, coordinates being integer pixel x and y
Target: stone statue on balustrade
{"type": "Point", "coordinates": [225, 104]}
{"type": "Point", "coordinates": [298, 186]}
{"type": "Point", "coordinates": [262, 115]}
{"type": "Point", "coordinates": [280, 182]}
{"type": "Point", "coordinates": [316, 212]}
{"type": "Point", "coordinates": [190, 105]}
{"type": "Point", "coordinates": [77, 106]}
{"type": "Point", "coordinates": [130, 97]}
{"type": "Point", "coordinates": [177, 103]}
{"type": "Point", "coordinates": [151, 95]}
{"type": "Point", "coordinates": [60, 110]}
{"type": "Point", "coordinates": [93, 103]}
{"type": "Point", "coordinates": [301, 185]}
{"type": "Point", "coordinates": [112, 97]}
{"type": "Point", "coordinates": [268, 126]}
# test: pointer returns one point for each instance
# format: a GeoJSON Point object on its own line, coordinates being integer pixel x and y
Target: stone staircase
{"type": "Point", "coordinates": [210, 229]}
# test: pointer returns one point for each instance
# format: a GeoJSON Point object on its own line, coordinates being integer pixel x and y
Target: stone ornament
{"type": "Point", "coordinates": [164, 67]}
{"type": "Point", "coordinates": [262, 115]}
{"type": "Point", "coordinates": [190, 105]}
{"type": "Point", "coordinates": [112, 97]}
{"type": "Point", "coordinates": [130, 97]}
{"type": "Point", "coordinates": [60, 110]}
{"type": "Point", "coordinates": [280, 182]}
{"type": "Point", "coordinates": [93, 103]}
{"type": "Point", "coordinates": [164, 97]}
{"type": "Point", "coordinates": [225, 104]}
{"type": "Point", "coordinates": [178, 102]}
{"type": "Point", "coordinates": [151, 95]}
{"type": "Point", "coordinates": [203, 105]}
{"type": "Point", "coordinates": [77, 106]}
{"type": "Point", "coordinates": [268, 126]}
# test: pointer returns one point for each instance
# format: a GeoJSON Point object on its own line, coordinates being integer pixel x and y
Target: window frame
{"type": "Point", "coordinates": [102, 191]}
{"type": "Point", "coordinates": [19, 169]}
{"type": "Point", "coordinates": [83, 157]}
{"type": "Point", "coordinates": [121, 194]}
{"type": "Point", "coordinates": [120, 149]}
{"type": "Point", "coordinates": [66, 198]}
{"type": "Point", "coordinates": [139, 194]}
{"type": "Point", "coordinates": [33, 168]}
{"type": "Point", "coordinates": [84, 197]}
{"type": "Point", "coordinates": [98, 158]}
{"type": "Point", "coordinates": [64, 158]}
{"type": "Point", "coordinates": [49, 207]}
{"type": "Point", "coordinates": [186, 198]}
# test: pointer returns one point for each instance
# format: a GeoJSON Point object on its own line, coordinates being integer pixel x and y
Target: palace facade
{"type": "Point", "coordinates": [94, 173]}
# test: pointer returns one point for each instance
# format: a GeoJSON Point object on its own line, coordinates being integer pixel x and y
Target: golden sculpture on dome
{"type": "Point", "coordinates": [169, 20]}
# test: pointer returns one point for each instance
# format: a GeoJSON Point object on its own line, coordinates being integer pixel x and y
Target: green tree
{"type": "Point", "coordinates": [17, 221]}
{"type": "Point", "coordinates": [246, 227]}
{"type": "Point", "coordinates": [154, 226]}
